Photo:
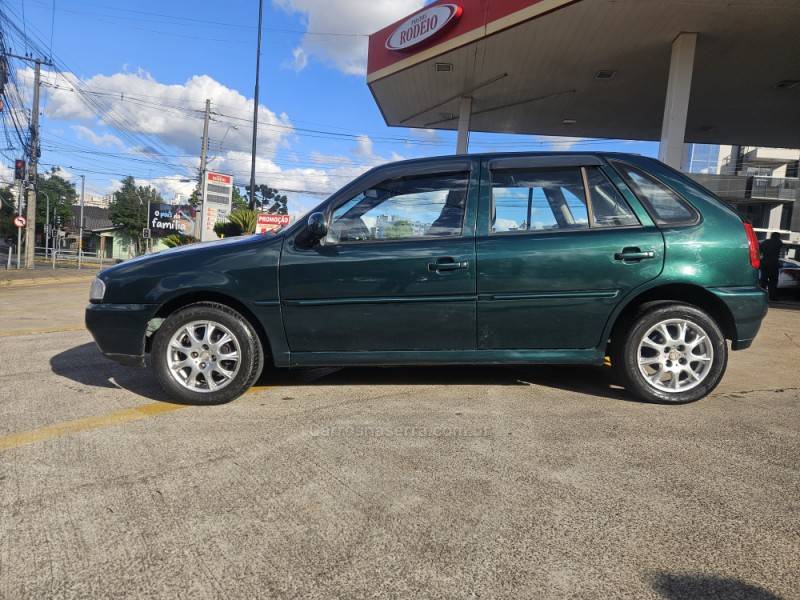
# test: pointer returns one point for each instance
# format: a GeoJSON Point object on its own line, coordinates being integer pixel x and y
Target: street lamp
{"type": "Point", "coordinates": [47, 223]}
{"type": "Point", "coordinates": [56, 204]}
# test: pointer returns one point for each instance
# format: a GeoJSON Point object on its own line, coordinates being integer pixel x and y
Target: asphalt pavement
{"type": "Point", "coordinates": [389, 483]}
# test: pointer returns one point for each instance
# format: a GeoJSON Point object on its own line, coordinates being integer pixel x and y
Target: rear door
{"type": "Point", "coordinates": [558, 246]}
{"type": "Point", "coordinates": [397, 269]}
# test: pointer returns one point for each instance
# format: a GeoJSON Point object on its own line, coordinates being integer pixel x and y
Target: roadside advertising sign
{"type": "Point", "coordinates": [166, 219]}
{"type": "Point", "coordinates": [20, 221]}
{"type": "Point", "coordinates": [267, 222]}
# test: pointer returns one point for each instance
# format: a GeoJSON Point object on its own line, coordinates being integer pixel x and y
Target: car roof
{"type": "Point", "coordinates": [496, 155]}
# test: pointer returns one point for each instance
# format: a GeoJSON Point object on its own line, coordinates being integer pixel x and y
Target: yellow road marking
{"type": "Point", "coordinates": [42, 434]}
{"type": "Point", "coordinates": [15, 440]}
{"type": "Point", "coordinates": [13, 333]}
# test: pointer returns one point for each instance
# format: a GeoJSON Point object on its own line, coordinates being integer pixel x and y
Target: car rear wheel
{"type": "Point", "coordinates": [672, 354]}
{"type": "Point", "coordinates": [206, 353]}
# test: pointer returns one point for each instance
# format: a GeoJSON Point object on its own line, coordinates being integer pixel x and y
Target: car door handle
{"type": "Point", "coordinates": [447, 264]}
{"type": "Point", "coordinates": [633, 254]}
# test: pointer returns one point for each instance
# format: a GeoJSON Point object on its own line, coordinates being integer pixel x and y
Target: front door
{"type": "Point", "coordinates": [558, 248]}
{"type": "Point", "coordinates": [396, 271]}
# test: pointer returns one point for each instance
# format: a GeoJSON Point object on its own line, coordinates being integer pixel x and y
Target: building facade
{"type": "Point", "coordinates": [761, 183]}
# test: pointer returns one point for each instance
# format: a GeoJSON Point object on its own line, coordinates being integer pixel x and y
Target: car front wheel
{"type": "Point", "coordinates": [206, 353]}
{"type": "Point", "coordinates": [673, 354]}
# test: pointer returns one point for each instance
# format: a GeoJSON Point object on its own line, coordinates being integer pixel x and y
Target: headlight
{"type": "Point", "coordinates": [98, 290]}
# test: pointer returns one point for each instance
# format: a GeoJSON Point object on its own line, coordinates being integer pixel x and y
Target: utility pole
{"type": "Point", "coordinates": [30, 229]}
{"type": "Point", "coordinates": [80, 240]}
{"type": "Point", "coordinates": [33, 158]}
{"type": "Point", "coordinates": [203, 161]}
{"type": "Point", "coordinates": [20, 191]}
{"type": "Point", "coordinates": [255, 110]}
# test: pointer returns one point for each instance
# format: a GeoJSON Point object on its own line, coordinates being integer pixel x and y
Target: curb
{"type": "Point", "coordinates": [39, 281]}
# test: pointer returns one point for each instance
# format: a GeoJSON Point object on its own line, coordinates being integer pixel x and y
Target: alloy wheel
{"type": "Point", "coordinates": [675, 355]}
{"type": "Point", "coordinates": [203, 356]}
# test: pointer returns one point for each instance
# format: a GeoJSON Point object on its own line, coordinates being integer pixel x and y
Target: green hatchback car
{"type": "Point", "coordinates": [523, 258]}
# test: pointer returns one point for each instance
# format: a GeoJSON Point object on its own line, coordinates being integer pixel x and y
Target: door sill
{"type": "Point", "coordinates": [590, 356]}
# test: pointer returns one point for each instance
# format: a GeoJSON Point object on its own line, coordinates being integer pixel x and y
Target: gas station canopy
{"type": "Point", "coordinates": [703, 71]}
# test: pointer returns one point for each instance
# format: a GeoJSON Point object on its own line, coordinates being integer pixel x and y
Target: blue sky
{"type": "Point", "coordinates": [152, 64]}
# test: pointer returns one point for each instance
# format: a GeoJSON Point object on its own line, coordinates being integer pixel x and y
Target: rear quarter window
{"type": "Point", "coordinates": [665, 206]}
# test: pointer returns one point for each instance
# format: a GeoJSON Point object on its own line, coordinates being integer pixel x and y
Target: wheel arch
{"type": "Point", "coordinates": [685, 293]}
{"type": "Point", "coordinates": [197, 296]}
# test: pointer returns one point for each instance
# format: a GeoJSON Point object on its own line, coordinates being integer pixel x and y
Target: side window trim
{"type": "Point", "coordinates": [590, 202]}
{"type": "Point", "coordinates": [439, 168]}
{"type": "Point", "coordinates": [537, 163]}
{"type": "Point", "coordinates": [617, 163]}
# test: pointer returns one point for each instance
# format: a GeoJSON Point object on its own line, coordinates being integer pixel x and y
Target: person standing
{"type": "Point", "coordinates": [770, 263]}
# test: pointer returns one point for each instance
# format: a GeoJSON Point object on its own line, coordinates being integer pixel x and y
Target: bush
{"type": "Point", "coordinates": [227, 229]}
{"type": "Point", "coordinates": [174, 240]}
{"type": "Point", "coordinates": [246, 219]}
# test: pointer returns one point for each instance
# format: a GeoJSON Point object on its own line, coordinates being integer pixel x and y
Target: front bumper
{"type": "Point", "coordinates": [748, 305]}
{"type": "Point", "coordinates": [119, 330]}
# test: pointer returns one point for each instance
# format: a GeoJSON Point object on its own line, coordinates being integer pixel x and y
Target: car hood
{"type": "Point", "coordinates": [199, 250]}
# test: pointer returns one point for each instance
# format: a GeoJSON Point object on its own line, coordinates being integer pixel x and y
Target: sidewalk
{"type": "Point", "coordinates": [43, 275]}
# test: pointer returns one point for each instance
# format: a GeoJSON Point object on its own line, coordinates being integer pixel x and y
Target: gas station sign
{"type": "Point", "coordinates": [217, 198]}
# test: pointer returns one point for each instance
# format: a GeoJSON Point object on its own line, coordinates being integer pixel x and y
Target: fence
{"type": "Point", "coordinates": [56, 258]}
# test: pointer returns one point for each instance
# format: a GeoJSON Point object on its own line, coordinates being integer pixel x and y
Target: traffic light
{"type": "Point", "coordinates": [19, 169]}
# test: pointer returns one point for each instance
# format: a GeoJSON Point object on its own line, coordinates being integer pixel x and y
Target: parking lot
{"type": "Point", "coordinates": [381, 483]}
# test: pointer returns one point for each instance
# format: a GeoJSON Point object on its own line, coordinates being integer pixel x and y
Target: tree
{"type": "Point", "coordinates": [266, 195]}
{"type": "Point", "coordinates": [7, 212]}
{"type": "Point", "coordinates": [62, 196]}
{"type": "Point", "coordinates": [239, 202]}
{"type": "Point", "coordinates": [128, 210]}
{"type": "Point", "coordinates": [398, 229]}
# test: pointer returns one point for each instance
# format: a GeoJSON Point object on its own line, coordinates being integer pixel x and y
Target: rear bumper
{"type": "Point", "coordinates": [748, 305]}
{"type": "Point", "coordinates": [119, 330]}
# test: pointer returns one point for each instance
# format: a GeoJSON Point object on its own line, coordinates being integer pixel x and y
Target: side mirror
{"type": "Point", "coordinates": [316, 226]}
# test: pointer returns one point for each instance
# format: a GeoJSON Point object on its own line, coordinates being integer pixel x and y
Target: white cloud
{"type": "Point", "coordinates": [560, 143]}
{"type": "Point", "coordinates": [106, 140]}
{"type": "Point", "coordinates": [169, 115]}
{"type": "Point", "coordinates": [348, 53]}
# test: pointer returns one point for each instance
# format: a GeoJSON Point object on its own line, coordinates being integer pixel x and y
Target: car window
{"type": "Point", "coordinates": [405, 208]}
{"type": "Point", "coordinates": [538, 200]}
{"type": "Point", "coordinates": [609, 208]}
{"type": "Point", "coordinates": [665, 206]}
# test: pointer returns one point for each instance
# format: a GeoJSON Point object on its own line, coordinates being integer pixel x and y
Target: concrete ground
{"type": "Point", "coordinates": [389, 483]}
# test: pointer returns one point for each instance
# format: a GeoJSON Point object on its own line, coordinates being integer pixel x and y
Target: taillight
{"type": "Point", "coordinates": [752, 241]}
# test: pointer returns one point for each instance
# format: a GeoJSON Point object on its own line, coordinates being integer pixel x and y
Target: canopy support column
{"type": "Point", "coordinates": [464, 118]}
{"type": "Point", "coordinates": [679, 88]}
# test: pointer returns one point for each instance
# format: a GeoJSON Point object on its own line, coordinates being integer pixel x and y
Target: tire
{"type": "Point", "coordinates": [210, 374]}
{"type": "Point", "coordinates": [671, 372]}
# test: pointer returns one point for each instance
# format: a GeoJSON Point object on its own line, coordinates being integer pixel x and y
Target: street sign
{"type": "Point", "coordinates": [20, 221]}
{"type": "Point", "coordinates": [267, 222]}
{"type": "Point", "coordinates": [217, 195]}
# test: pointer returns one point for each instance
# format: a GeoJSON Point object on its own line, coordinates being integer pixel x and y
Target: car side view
{"type": "Point", "coordinates": [524, 258]}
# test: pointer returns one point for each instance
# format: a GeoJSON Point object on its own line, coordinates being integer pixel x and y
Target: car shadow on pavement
{"type": "Point", "coordinates": [85, 365]}
{"type": "Point", "coordinates": [594, 381]}
{"type": "Point", "coordinates": [698, 586]}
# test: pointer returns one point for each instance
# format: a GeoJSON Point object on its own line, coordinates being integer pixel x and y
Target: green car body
{"type": "Point", "coordinates": [551, 296]}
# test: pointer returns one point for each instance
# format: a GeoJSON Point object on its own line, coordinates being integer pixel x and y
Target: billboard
{"type": "Point", "coordinates": [268, 222]}
{"type": "Point", "coordinates": [166, 219]}
{"type": "Point", "coordinates": [217, 197]}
